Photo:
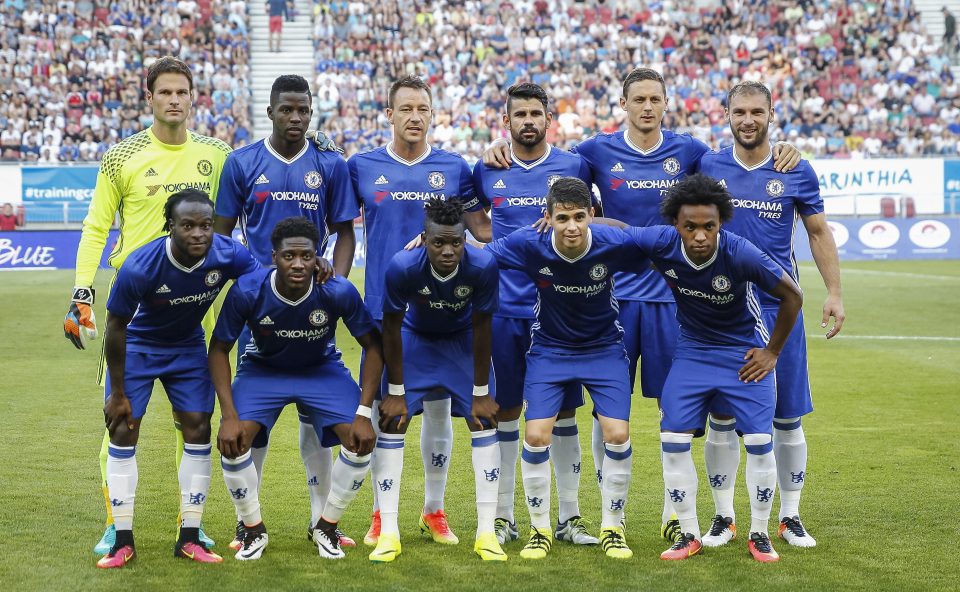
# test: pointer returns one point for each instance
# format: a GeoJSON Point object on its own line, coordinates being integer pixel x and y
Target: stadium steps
{"type": "Point", "coordinates": [295, 57]}
{"type": "Point", "coordinates": [932, 19]}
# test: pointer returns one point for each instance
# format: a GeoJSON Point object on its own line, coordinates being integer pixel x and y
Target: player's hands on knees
{"type": "Point", "coordinates": [80, 324]}
{"type": "Point", "coordinates": [230, 437]}
{"type": "Point", "coordinates": [362, 436]}
{"type": "Point", "coordinates": [497, 154]}
{"type": "Point", "coordinates": [786, 157]}
{"type": "Point", "coordinates": [760, 362]}
{"type": "Point", "coordinates": [415, 243]}
{"type": "Point", "coordinates": [117, 411]}
{"type": "Point", "coordinates": [393, 413]}
{"type": "Point", "coordinates": [833, 307]}
{"type": "Point", "coordinates": [324, 271]}
{"type": "Point", "coordinates": [484, 410]}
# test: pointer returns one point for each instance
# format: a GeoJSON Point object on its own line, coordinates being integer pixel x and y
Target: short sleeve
{"type": "Point", "coordinates": [466, 191]}
{"type": "Point", "coordinates": [808, 200]}
{"type": "Point", "coordinates": [487, 290]}
{"type": "Point", "coordinates": [352, 310]}
{"type": "Point", "coordinates": [235, 311]}
{"type": "Point", "coordinates": [510, 251]}
{"type": "Point", "coordinates": [230, 195]}
{"type": "Point", "coordinates": [243, 261]}
{"type": "Point", "coordinates": [396, 297]}
{"type": "Point", "coordinates": [341, 200]}
{"type": "Point", "coordinates": [482, 197]}
{"type": "Point", "coordinates": [127, 291]}
{"type": "Point", "coordinates": [756, 266]}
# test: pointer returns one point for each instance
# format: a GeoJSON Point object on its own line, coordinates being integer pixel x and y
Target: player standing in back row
{"type": "Point", "coordinates": [767, 204]}
{"type": "Point", "coordinates": [392, 184]}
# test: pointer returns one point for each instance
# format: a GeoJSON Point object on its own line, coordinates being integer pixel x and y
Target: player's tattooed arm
{"type": "Point", "coordinates": [786, 157]}
{"type": "Point", "coordinates": [762, 361]}
{"type": "Point", "coordinates": [230, 437]}
{"type": "Point", "coordinates": [393, 406]}
{"type": "Point", "coordinates": [344, 248]}
{"type": "Point", "coordinates": [117, 409]}
{"type": "Point", "coordinates": [497, 154]}
{"type": "Point", "coordinates": [824, 250]}
{"type": "Point", "coordinates": [362, 436]}
{"type": "Point", "coordinates": [484, 407]}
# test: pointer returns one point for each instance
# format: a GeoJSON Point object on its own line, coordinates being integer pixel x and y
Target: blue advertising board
{"type": "Point", "coordinates": [889, 238]}
{"type": "Point", "coordinates": [47, 190]}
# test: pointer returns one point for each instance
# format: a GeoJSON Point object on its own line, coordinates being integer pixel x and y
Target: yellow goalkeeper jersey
{"type": "Point", "coordinates": [135, 179]}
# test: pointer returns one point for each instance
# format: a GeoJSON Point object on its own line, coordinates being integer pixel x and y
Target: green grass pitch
{"type": "Point", "coordinates": [881, 497]}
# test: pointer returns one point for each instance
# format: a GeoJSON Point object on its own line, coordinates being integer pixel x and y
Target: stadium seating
{"type": "Point", "coordinates": [850, 80]}
{"type": "Point", "coordinates": [71, 73]}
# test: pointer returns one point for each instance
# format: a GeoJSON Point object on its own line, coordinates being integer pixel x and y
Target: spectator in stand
{"type": "Point", "coordinates": [8, 220]}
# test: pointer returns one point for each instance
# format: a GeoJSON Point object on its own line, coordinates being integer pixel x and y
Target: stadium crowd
{"type": "Point", "coordinates": [850, 79]}
{"type": "Point", "coordinates": [71, 72]}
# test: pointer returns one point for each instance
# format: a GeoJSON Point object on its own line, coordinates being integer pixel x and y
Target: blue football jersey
{"type": "Point", "coordinates": [517, 197]}
{"type": "Point", "coordinates": [632, 183]}
{"type": "Point", "coordinates": [576, 308]}
{"type": "Point", "coordinates": [392, 192]}
{"type": "Point", "coordinates": [288, 334]}
{"type": "Point", "coordinates": [716, 303]}
{"type": "Point", "coordinates": [166, 300]}
{"type": "Point", "coordinates": [260, 187]}
{"type": "Point", "coordinates": [438, 305]}
{"type": "Point", "coordinates": [767, 204]}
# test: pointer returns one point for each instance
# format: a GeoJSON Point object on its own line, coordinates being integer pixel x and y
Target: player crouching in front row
{"type": "Point", "coordinates": [292, 358]}
{"type": "Point", "coordinates": [437, 315]}
{"type": "Point", "coordinates": [154, 312]}
{"type": "Point", "coordinates": [712, 274]}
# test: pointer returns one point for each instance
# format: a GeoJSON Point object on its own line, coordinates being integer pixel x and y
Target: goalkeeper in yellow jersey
{"type": "Point", "coordinates": [136, 177]}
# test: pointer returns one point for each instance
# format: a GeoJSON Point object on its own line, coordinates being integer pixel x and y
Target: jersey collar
{"type": "Point", "coordinates": [441, 278]}
{"type": "Point", "coordinates": [176, 263]}
{"type": "Point", "coordinates": [273, 286]}
{"type": "Point", "coordinates": [754, 167]}
{"type": "Point", "coordinates": [553, 243]}
{"type": "Point", "coordinates": [526, 166]}
{"type": "Point", "coordinates": [706, 263]}
{"type": "Point", "coordinates": [420, 158]}
{"type": "Point", "coordinates": [626, 138]}
{"type": "Point", "coordinates": [270, 149]}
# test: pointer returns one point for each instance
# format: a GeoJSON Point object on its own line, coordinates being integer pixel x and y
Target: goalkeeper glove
{"type": "Point", "coordinates": [322, 142]}
{"type": "Point", "coordinates": [80, 324]}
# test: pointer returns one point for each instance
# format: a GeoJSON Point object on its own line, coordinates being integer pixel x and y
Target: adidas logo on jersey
{"type": "Point", "coordinates": [671, 273]}
{"type": "Point", "coordinates": [163, 289]}
{"type": "Point", "coordinates": [150, 172]}
{"type": "Point", "coordinates": [381, 180]}
{"type": "Point", "coordinates": [425, 291]}
{"type": "Point", "coordinates": [499, 184]}
{"type": "Point", "coordinates": [617, 168]}
{"type": "Point", "coordinates": [261, 180]}
{"type": "Point", "coordinates": [266, 321]}
{"type": "Point", "coordinates": [546, 271]}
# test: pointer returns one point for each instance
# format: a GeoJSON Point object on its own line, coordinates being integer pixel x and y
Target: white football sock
{"type": "Point", "coordinates": [194, 477]}
{"type": "Point", "coordinates": [347, 479]}
{"type": "Point", "coordinates": [259, 456]}
{"type": "Point", "coordinates": [242, 483]}
{"type": "Point", "coordinates": [122, 476]}
{"type": "Point", "coordinates": [596, 447]}
{"type": "Point", "coordinates": [387, 467]}
{"type": "Point", "coordinates": [790, 450]}
{"type": "Point", "coordinates": [486, 477]}
{"type": "Point", "coordinates": [436, 442]}
{"type": "Point", "coordinates": [375, 420]}
{"type": "Point", "coordinates": [721, 455]}
{"type": "Point", "coordinates": [535, 472]}
{"type": "Point", "coordinates": [565, 453]}
{"type": "Point", "coordinates": [617, 471]}
{"type": "Point", "coordinates": [680, 479]}
{"type": "Point", "coordinates": [318, 464]}
{"type": "Point", "coordinates": [761, 479]}
{"type": "Point", "coordinates": [508, 440]}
